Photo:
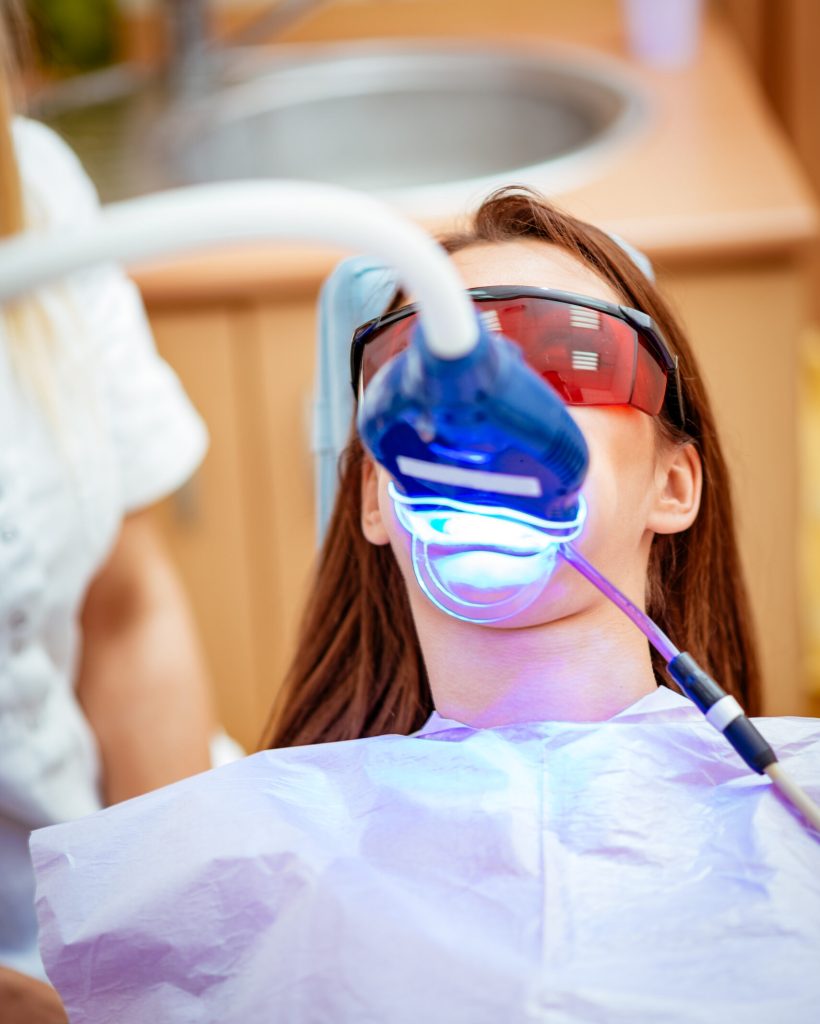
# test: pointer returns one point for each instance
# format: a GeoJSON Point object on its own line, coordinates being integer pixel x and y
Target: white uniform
{"type": "Point", "coordinates": [124, 435]}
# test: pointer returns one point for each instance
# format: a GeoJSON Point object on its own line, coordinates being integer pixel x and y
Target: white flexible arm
{"type": "Point", "coordinates": [254, 210]}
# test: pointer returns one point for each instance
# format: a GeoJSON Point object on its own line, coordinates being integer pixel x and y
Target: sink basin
{"type": "Point", "coordinates": [424, 126]}
{"type": "Point", "coordinates": [428, 126]}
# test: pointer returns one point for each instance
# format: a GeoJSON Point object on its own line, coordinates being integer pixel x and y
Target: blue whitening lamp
{"type": "Point", "coordinates": [487, 464]}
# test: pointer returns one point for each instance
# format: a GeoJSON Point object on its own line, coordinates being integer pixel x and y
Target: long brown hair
{"type": "Point", "coordinates": [358, 669]}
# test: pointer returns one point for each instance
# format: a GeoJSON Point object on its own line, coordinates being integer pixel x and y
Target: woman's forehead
{"type": "Point", "coordinates": [531, 263]}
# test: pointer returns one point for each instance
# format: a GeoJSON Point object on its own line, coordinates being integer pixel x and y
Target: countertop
{"type": "Point", "coordinates": [712, 178]}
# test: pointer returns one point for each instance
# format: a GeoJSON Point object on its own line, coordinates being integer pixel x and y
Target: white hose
{"type": "Point", "coordinates": [188, 218]}
{"type": "Point", "coordinates": [795, 794]}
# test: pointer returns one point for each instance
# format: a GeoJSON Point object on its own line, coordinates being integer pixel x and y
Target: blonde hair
{"type": "Point", "coordinates": [29, 329]}
{"type": "Point", "coordinates": [12, 215]}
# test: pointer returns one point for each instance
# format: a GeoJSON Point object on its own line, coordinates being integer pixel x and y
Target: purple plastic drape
{"type": "Point", "coordinates": [624, 871]}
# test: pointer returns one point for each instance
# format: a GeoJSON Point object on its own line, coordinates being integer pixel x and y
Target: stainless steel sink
{"type": "Point", "coordinates": [429, 126]}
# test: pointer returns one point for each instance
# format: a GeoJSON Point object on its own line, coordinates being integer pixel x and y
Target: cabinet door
{"type": "Point", "coordinates": [275, 377]}
{"type": "Point", "coordinates": [744, 322]}
{"type": "Point", "coordinates": [205, 523]}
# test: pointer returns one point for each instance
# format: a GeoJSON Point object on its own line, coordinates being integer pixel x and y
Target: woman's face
{"type": "Point", "coordinates": [637, 484]}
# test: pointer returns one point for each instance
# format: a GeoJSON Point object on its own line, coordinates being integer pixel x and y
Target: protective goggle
{"type": "Point", "coordinates": [592, 352]}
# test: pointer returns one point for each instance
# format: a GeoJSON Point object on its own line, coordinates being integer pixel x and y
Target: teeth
{"type": "Point", "coordinates": [584, 360]}
{"type": "Point", "coordinates": [586, 319]}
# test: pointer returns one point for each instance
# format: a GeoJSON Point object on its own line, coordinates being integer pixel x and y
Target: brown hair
{"type": "Point", "coordinates": [358, 670]}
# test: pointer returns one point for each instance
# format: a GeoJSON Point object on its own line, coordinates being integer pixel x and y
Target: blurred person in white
{"type": "Point", "coordinates": [103, 690]}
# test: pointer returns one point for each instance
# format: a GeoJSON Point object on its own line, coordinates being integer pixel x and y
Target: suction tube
{"type": "Point", "coordinates": [722, 711]}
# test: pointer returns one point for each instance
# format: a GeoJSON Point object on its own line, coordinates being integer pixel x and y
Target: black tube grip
{"type": "Point", "coordinates": [703, 691]}
{"type": "Point", "coordinates": [747, 741]}
{"type": "Point", "coordinates": [700, 688]}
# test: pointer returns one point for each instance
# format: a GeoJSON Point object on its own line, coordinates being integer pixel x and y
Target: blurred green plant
{"type": "Point", "coordinates": [74, 35]}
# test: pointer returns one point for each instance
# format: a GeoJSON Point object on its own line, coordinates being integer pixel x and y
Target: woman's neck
{"type": "Point", "coordinates": [587, 666]}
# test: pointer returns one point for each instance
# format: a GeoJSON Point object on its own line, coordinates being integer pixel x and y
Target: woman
{"type": "Point", "coordinates": [561, 840]}
{"type": "Point", "coordinates": [694, 585]}
{"type": "Point", "coordinates": [103, 691]}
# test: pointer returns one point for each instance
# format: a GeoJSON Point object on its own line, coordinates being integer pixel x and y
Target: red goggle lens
{"type": "Point", "coordinates": [588, 356]}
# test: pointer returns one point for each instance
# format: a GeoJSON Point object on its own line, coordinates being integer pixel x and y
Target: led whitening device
{"type": "Point", "coordinates": [487, 462]}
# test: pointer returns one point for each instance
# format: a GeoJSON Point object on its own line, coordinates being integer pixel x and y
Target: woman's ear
{"type": "Point", "coordinates": [679, 478]}
{"type": "Point", "coordinates": [372, 523]}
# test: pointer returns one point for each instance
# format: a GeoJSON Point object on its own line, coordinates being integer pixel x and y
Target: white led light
{"type": "Point", "coordinates": [466, 529]}
{"type": "Point", "coordinates": [475, 479]}
{"type": "Point", "coordinates": [425, 510]}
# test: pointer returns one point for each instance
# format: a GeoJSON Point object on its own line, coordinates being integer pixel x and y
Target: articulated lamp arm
{"type": "Point", "coordinates": [184, 219]}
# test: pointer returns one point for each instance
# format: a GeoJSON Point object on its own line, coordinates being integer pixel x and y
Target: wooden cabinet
{"type": "Point", "coordinates": [205, 523]}
{"type": "Point", "coordinates": [242, 530]}
{"type": "Point", "coordinates": [745, 321]}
